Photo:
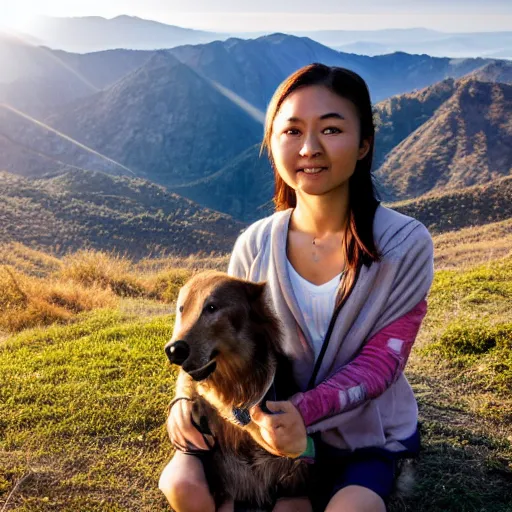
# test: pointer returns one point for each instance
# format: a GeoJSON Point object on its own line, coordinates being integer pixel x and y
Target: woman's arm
{"type": "Point", "coordinates": [368, 375]}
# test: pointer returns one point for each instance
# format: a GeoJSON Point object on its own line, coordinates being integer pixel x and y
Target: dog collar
{"type": "Point", "coordinates": [242, 416]}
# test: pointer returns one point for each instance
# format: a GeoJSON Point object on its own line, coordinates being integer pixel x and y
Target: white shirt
{"type": "Point", "coordinates": [316, 303]}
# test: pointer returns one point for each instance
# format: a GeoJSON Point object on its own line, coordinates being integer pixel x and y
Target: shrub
{"type": "Point", "coordinates": [166, 285]}
{"type": "Point", "coordinates": [89, 267]}
{"type": "Point", "coordinates": [461, 338]}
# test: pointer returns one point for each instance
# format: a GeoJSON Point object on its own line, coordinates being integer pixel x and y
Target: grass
{"type": "Point", "coordinates": [83, 404]}
{"type": "Point", "coordinates": [27, 301]}
{"type": "Point", "coordinates": [82, 409]}
{"type": "Point", "coordinates": [38, 290]}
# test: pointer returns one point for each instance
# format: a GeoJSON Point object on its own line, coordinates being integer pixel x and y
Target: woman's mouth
{"type": "Point", "coordinates": [312, 170]}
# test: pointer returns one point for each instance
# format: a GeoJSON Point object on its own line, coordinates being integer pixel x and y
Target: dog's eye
{"type": "Point", "coordinates": [211, 308]}
{"type": "Point", "coordinates": [181, 309]}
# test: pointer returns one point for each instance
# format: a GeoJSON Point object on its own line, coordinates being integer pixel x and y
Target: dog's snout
{"type": "Point", "coordinates": [177, 352]}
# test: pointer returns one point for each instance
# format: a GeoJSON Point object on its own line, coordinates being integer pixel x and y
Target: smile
{"type": "Point", "coordinates": [312, 170]}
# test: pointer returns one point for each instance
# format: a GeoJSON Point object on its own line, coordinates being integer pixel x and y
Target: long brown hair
{"type": "Point", "coordinates": [358, 243]}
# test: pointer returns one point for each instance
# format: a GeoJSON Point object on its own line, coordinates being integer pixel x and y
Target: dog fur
{"type": "Point", "coordinates": [230, 342]}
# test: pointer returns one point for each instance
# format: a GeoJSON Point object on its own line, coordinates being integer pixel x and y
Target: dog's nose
{"type": "Point", "coordinates": [177, 352]}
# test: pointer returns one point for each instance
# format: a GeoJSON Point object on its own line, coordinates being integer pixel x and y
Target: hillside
{"type": "Point", "coordinates": [467, 141]}
{"type": "Point", "coordinates": [32, 148]}
{"type": "Point", "coordinates": [93, 210]}
{"type": "Point", "coordinates": [399, 116]}
{"type": "Point", "coordinates": [83, 424]}
{"type": "Point", "coordinates": [498, 71]}
{"type": "Point", "coordinates": [163, 121]}
{"type": "Point", "coordinates": [456, 209]}
{"type": "Point", "coordinates": [35, 80]}
{"type": "Point", "coordinates": [242, 189]}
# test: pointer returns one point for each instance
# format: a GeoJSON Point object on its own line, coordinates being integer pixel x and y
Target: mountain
{"type": "Point", "coordinates": [163, 121]}
{"type": "Point", "coordinates": [242, 189]}
{"type": "Point", "coordinates": [32, 148]}
{"type": "Point", "coordinates": [33, 77]}
{"type": "Point", "coordinates": [467, 141]}
{"type": "Point", "coordinates": [254, 68]}
{"type": "Point", "coordinates": [456, 209]}
{"type": "Point", "coordinates": [94, 33]}
{"type": "Point", "coordinates": [418, 41]}
{"type": "Point", "coordinates": [399, 116]}
{"type": "Point", "coordinates": [497, 71]}
{"type": "Point", "coordinates": [38, 80]}
{"type": "Point", "coordinates": [82, 209]}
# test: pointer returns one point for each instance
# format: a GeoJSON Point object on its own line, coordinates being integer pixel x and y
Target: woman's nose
{"type": "Point", "coordinates": [311, 147]}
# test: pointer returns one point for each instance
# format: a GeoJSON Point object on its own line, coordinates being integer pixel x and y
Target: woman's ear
{"type": "Point", "coordinates": [364, 148]}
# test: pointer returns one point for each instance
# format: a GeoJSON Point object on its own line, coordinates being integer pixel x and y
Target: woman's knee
{"type": "Point", "coordinates": [184, 485]}
{"type": "Point", "coordinates": [356, 499]}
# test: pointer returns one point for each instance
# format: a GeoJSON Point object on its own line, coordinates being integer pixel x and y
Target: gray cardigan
{"type": "Point", "coordinates": [384, 292]}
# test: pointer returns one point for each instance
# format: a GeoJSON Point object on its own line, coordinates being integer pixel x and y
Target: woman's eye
{"type": "Point", "coordinates": [292, 131]}
{"type": "Point", "coordinates": [331, 130]}
{"type": "Point", "coordinates": [181, 309]}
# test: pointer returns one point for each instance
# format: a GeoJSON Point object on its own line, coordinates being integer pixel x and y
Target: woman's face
{"type": "Point", "coordinates": [315, 141]}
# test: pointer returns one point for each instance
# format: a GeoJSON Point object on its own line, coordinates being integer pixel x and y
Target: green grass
{"type": "Point", "coordinates": [82, 406]}
{"type": "Point", "coordinates": [82, 410]}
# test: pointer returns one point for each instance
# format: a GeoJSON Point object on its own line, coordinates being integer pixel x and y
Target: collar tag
{"type": "Point", "coordinates": [242, 416]}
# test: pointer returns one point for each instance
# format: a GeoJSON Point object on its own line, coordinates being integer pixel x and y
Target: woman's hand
{"type": "Point", "coordinates": [284, 431]}
{"type": "Point", "coordinates": [181, 431]}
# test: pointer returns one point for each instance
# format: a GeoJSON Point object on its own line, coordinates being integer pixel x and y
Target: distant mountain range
{"type": "Point", "coordinates": [190, 119]}
{"type": "Point", "coordinates": [93, 33]}
{"type": "Point", "coordinates": [180, 116]}
{"type": "Point", "coordinates": [244, 187]}
{"type": "Point", "coordinates": [254, 68]}
{"type": "Point", "coordinates": [38, 80]}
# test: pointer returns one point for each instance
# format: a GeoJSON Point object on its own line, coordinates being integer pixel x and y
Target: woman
{"type": "Point", "coordinates": [349, 279]}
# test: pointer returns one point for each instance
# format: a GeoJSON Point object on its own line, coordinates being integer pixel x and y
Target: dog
{"type": "Point", "coordinates": [227, 341]}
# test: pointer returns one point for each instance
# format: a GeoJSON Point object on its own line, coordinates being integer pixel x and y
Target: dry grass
{"type": "Point", "coordinates": [472, 246]}
{"type": "Point", "coordinates": [27, 301]}
{"type": "Point", "coordinates": [28, 261]}
{"type": "Point", "coordinates": [194, 263]}
{"type": "Point", "coordinates": [37, 289]}
{"type": "Point", "coordinates": [90, 267]}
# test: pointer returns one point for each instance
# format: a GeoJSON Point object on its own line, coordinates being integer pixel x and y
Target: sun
{"type": "Point", "coordinates": [15, 18]}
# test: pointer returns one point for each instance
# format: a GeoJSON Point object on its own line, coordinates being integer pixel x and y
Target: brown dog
{"type": "Point", "coordinates": [227, 341]}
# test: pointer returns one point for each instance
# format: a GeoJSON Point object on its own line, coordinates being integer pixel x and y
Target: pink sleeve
{"type": "Point", "coordinates": [368, 375]}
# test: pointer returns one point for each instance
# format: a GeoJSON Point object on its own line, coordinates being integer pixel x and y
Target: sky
{"type": "Point", "coordinates": [279, 15]}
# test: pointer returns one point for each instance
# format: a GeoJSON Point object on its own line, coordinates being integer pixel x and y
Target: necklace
{"type": "Point", "coordinates": [319, 248]}
{"type": "Point", "coordinates": [316, 257]}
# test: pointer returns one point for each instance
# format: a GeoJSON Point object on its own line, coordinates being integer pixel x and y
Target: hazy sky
{"type": "Point", "coordinates": [286, 15]}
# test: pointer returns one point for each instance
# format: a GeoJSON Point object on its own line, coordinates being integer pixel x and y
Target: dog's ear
{"type": "Point", "coordinates": [254, 290]}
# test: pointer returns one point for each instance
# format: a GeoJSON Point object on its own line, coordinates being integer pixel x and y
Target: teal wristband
{"type": "Point", "coordinates": [309, 452]}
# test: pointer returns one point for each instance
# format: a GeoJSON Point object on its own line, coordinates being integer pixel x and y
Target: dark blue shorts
{"type": "Point", "coordinates": [373, 468]}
